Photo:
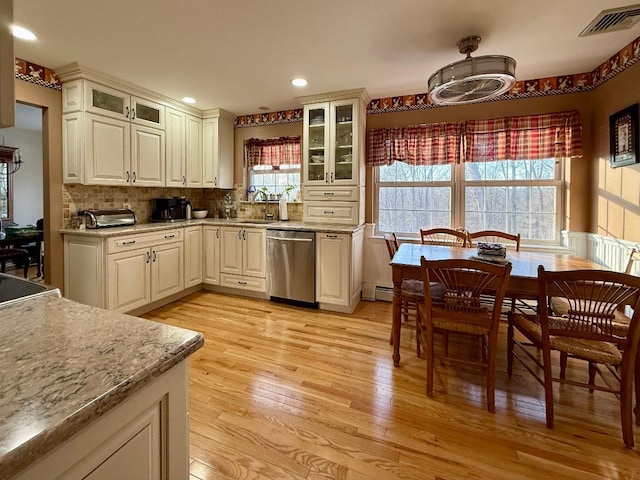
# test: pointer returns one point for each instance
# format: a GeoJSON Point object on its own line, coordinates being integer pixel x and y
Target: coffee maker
{"type": "Point", "coordinates": [169, 209]}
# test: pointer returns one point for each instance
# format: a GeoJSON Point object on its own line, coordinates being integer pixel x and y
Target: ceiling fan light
{"type": "Point", "coordinates": [473, 79]}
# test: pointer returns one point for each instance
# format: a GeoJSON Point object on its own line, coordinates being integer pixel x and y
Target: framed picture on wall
{"type": "Point", "coordinates": [623, 134]}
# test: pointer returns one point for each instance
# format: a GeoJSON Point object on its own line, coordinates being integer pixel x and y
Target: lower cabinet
{"type": "Point", "coordinates": [124, 272]}
{"type": "Point", "coordinates": [145, 437]}
{"type": "Point", "coordinates": [192, 256]}
{"type": "Point", "coordinates": [243, 258]}
{"type": "Point", "coordinates": [211, 236]}
{"type": "Point", "coordinates": [339, 270]}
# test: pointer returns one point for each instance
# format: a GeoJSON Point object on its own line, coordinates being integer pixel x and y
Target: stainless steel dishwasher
{"type": "Point", "coordinates": [291, 262]}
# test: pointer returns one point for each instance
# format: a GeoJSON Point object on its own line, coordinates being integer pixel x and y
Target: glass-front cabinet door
{"type": "Point", "coordinates": [316, 144]}
{"type": "Point", "coordinates": [107, 101]}
{"type": "Point", "coordinates": [342, 116]}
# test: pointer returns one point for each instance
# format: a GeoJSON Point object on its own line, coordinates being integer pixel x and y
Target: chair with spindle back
{"type": "Point", "coordinates": [443, 236]}
{"type": "Point", "coordinates": [461, 307]}
{"type": "Point", "coordinates": [586, 331]}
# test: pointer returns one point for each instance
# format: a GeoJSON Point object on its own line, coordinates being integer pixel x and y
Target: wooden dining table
{"type": "Point", "coordinates": [522, 283]}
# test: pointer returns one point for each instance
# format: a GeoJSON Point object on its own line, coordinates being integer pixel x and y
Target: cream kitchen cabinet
{"type": "Point", "coordinates": [184, 149]}
{"type": "Point", "coordinates": [339, 270]}
{"type": "Point", "coordinates": [138, 276]}
{"type": "Point", "coordinates": [124, 272]}
{"type": "Point", "coordinates": [217, 161]}
{"type": "Point", "coordinates": [243, 258]}
{"type": "Point", "coordinates": [211, 235]}
{"type": "Point", "coordinates": [111, 137]}
{"type": "Point", "coordinates": [333, 156]}
{"type": "Point", "coordinates": [192, 256]}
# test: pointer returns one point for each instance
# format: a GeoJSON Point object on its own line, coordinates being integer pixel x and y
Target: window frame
{"type": "Point", "coordinates": [9, 177]}
{"type": "Point", "coordinates": [458, 186]}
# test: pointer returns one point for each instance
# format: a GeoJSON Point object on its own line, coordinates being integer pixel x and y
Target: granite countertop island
{"type": "Point", "coordinates": [64, 364]}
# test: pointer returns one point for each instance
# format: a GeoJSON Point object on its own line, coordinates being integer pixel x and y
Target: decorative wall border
{"type": "Point", "coordinates": [538, 87]}
{"type": "Point", "coordinates": [31, 72]}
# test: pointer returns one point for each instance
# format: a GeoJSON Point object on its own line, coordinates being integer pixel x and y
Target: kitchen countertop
{"type": "Point", "coordinates": [63, 364]}
{"type": "Point", "coordinates": [233, 222]}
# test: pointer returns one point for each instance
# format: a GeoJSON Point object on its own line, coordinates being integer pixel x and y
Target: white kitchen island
{"type": "Point", "coordinates": [89, 393]}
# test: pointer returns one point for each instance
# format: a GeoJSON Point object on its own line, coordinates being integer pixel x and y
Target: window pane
{"type": "Point", "coordinates": [510, 170]}
{"type": "Point", "coordinates": [401, 172]}
{"type": "Point", "coordinates": [407, 209]}
{"type": "Point", "coordinates": [529, 211]}
{"type": "Point", "coordinates": [4, 192]}
{"type": "Point", "coordinates": [275, 180]}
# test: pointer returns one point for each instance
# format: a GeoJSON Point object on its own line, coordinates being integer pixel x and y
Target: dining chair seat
{"type": "Point", "coordinates": [18, 256]}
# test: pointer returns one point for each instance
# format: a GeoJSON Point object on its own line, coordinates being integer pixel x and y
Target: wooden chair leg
{"type": "Point", "coordinates": [548, 386]}
{"type": "Point", "coordinates": [626, 400]}
{"type": "Point", "coordinates": [510, 333]}
{"type": "Point", "coordinates": [637, 387]}
{"type": "Point", "coordinates": [563, 365]}
{"type": "Point", "coordinates": [418, 334]}
{"type": "Point", "coordinates": [429, 342]}
{"type": "Point", "coordinates": [491, 371]}
{"type": "Point", "coordinates": [3, 266]}
{"type": "Point", "coordinates": [27, 262]}
{"type": "Point", "coordinates": [592, 375]}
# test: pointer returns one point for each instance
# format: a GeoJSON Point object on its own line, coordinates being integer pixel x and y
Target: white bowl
{"type": "Point", "coordinates": [199, 213]}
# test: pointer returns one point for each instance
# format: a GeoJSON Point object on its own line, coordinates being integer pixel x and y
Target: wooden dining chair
{"type": "Point", "coordinates": [586, 332]}
{"type": "Point", "coordinates": [461, 307]}
{"type": "Point", "coordinates": [495, 236]}
{"type": "Point", "coordinates": [447, 237]}
{"type": "Point", "coordinates": [18, 256]}
{"type": "Point", "coordinates": [411, 291]}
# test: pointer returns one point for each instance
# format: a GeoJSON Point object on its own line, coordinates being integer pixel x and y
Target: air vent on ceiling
{"type": "Point", "coordinates": [612, 20]}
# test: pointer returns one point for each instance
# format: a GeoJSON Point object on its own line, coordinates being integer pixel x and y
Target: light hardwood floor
{"type": "Point", "coordinates": [287, 393]}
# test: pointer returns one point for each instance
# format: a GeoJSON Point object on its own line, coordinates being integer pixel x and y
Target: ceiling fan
{"type": "Point", "coordinates": [473, 79]}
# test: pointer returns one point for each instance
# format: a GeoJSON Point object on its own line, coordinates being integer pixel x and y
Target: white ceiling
{"type": "Point", "coordinates": [241, 54]}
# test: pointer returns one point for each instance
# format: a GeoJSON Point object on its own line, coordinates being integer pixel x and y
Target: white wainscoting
{"type": "Point", "coordinates": [609, 252]}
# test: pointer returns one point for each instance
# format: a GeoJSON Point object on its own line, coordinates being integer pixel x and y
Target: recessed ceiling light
{"type": "Point", "coordinates": [299, 82]}
{"type": "Point", "coordinates": [23, 33]}
{"type": "Point", "coordinates": [189, 100]}
{"type": "Point", "coordinates": [264, 109]}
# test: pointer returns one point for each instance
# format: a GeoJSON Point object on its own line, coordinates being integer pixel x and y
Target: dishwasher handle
{"type": "Point", "coordinates": [291, 239]}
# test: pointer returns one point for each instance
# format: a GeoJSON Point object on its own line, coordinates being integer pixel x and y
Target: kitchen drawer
{"type": "Point", "coordinates": [344, 194]}
{"type": "Point", "coordinates": [125, 243]}
{"type": "Point", "coordinates": [244, 283]}
{"type": "Point", "coordinates": [332, 212]}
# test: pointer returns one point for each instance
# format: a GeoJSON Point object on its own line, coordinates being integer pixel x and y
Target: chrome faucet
{"type": "Point", "coordinates": [267, 215]}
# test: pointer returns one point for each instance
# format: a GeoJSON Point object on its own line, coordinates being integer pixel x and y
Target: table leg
{"type": "Point", "coordinates": [396, 320]}
{"type": "Point", "coordinates": [39, 247]}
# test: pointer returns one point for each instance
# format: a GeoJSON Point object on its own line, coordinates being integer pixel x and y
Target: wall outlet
{"type": "Point", "coordinates": [126, 206]}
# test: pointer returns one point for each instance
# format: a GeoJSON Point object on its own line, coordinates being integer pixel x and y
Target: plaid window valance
{"type": "Point", "coordinates": [273, 151]}
{"type": "Point", "coordinates": [527, 137]}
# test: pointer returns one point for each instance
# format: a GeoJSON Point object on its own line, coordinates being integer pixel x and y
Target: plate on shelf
{"type": "Point", "coordinates": [317, 159]}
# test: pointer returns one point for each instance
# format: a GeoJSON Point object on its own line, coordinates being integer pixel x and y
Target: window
{"type": "Point", "coordinates": [517, 196]}
{"type": "Point", "coordinates": [276, 179]}
{"type": "Point", "coordinates": [6, 212]}
{"type": "Point", "coordinates": [494, 174]}
{"type": "Point", "coordinates": [273, 164]}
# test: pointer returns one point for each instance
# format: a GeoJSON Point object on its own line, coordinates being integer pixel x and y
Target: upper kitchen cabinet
{"type": "Point", "coordinates": [110, 137]}
{"type": "Point", "coordinates": [333, 138]}
{"type": "Point", "coordinates": [7, 67]}
{"type": "Point", "coordinates": [184, 149]}
{"type": "Point", "coordinates": [333, 157]}
{"type": "Point", "coordinates": [217, 162]}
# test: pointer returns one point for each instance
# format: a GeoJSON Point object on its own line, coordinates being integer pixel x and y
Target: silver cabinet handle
{"type": "Point", "coordinates": [328, 212]}
{"type": "Point", "coordinates": [333, 177]}
{"type": "Point", "coordinates": [173, 235]}
{"type": "Point", "coordinates": [134, 177]}
{"type": "Point", "coordinates": [328, 194]}
{"type": "Point", "coordinates": [129, 242]}
{"type": "Point", "coordinates": [215, 180]}
{"type": "Point", "coordinates": [241, 283]}
{"type": "Point", "coordinates": [244, 234]}
{"type": "Point", "coordinates": [133, 114]}
{"type": "Point", "coordinates": [326, 177]}
{"type": "Point", "coordinates": [126, 109]}
{"type": "Point", "coordinates": [148, 256]}
{"type": "Point", "coordinates": [217, 233]}
{"type": "Point", "coordinates": [184, 180]}
{"type": "Point", "coordinates": [155, 255]}
{"type": "Point", "coordinates": [128, 176]}
{"type": "Point", "coordinates": [332, 236]}
{"type": "Point", "coordinates": [240, 234]}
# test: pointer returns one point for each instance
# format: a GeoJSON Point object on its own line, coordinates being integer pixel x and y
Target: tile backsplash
{"type": "Point", "coordinates": [95, 197]}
